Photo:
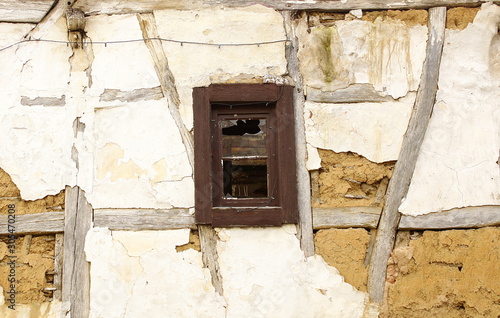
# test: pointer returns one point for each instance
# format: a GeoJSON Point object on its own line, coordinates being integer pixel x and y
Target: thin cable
{"type": "Point", "coordinates": [258, 44]}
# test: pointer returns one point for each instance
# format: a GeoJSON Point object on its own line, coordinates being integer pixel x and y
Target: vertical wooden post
{"type": "Point", "coordinates": [76, 270]}
{"type": "Point", "coordinates": [400, 182]}
{"type": "Point", "coordinates": [305, 228]}
{"type": "Point", "coordinates": [58, 266]}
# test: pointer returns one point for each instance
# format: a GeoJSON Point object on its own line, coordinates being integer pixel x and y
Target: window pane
{"type": "Point", "coordinates": [245, 178]}
{"type": "Point", "coordinates": [243, 138]}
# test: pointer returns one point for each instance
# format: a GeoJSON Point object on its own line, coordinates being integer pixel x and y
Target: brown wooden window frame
{"type": "Point", "coordinates": [275, 103]}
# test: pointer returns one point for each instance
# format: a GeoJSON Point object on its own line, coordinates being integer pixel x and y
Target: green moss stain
{"type": "Point", "coordinates": [327, 51]}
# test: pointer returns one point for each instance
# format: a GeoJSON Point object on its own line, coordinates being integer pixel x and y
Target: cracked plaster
{"type": "Point", "coordinates": [35, 142]}
{"type": "Point", "coordinates": [200, 65]}
{"type": "Point", "coordinates": [143, 165]}
{"type": "Point", "coordinates": [142, 274]}
{"type": "Point", "coordinates": [457, 164]}
{"type": "Point", "coordinates": [373, 130]}
{"type": "Point", "coordinates": [385, 53]}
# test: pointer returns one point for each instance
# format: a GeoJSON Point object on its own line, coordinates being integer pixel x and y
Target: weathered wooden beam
{"type": "Point", "coordinates": [58, 266]}
{"type": "Point", "coordinates": [403, 171]}
{"type": "Point", "coordinates": [110, 95]}
{"type": "Point", "coordinates": [355, 93]}
{"type": "Point", "coordinates": [210, 256]}
{"type": "Point", "coordinates": [48, 21]}
{"type": "Point", "coordinates": [468, 217]}
{"type": "Point", "coordinates": [346, 217]}
{"type": "Point", "coordinates": [76, 269]}
{"type": "Point", "coordinates": [26, 11]}
{"type": "Point", "coordinates": [147, 23]}
{"type": "Point", "coordinates": [39, 223]}
{"type": "Point", "coordinates": [141, 6]}
{"type": "Point", "coordinates": [143, 219]}
{"type": "Point", "coordinates": [305, 227]}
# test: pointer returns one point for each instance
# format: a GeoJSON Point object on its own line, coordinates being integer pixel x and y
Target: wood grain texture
{"type": "Point", "coordinates": [346, 217]}
{"type": "Point", "coordinates": [27, 11]}
{"type": "Point", "coordinates": [356, 93]}
{"type": "Point", "coordinates": [39, 223]}
{"type": "Point", "coordinates": [210, 257]}
{"type": "Point", "coordinates": [147, 23]}
{"type": "Point", "coordinates": [143, 219]}
{"type": "Point", "coordinates": [468, 217]}
{"type": "Point", "coordinates": [121, 7]}
{"type": "Point", "coordinates": [50, 19]}
{"type": "Point", "coordinates": [58, 266]}
{"type": "Point", "coordinates": [76, 269]}
{"type": "Point", "coordinates": [403, 171]}
{"type": "Point", "coordinates": [305, 225]}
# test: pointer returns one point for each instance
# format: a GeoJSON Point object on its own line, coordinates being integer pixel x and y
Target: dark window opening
{"type": "Point", "coordinates": [244, 155]}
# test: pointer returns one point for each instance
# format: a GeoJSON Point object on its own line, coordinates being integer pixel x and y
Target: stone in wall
{"type": "Point", "coordinates": [345, 249]}
{"type": "Point", "coordinates": [457, 165]}
{"type": "Point", "coordinates": [445, 274]}
{"type": "Point", "coordinates": [34, 262]}
{"type": "Point", "coordinates": [347, 179]}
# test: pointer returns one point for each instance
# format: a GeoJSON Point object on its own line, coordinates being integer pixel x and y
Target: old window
{"type": "Point", "coordinates": [244, 155]}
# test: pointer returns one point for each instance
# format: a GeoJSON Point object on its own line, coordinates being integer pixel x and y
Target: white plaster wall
{"type": "Point", "coordinates": [140, 159]}
{"type": "Point", "coordinates": [264, 274]}
{"type": "Point", "coordinates": [386, 54]}
{"type": "Point", "coordinates": [200, 65]}
{"type": "Point", "coordinates": [373, 130]}
{"type": "Point", "coordinates": [35, 141]}
{"type": "Point", "coordinates": [140, 274]}
{"type": "Point", "coordinates": [457, 165]}
{"type": "Point", "coordinates": [124, 66]}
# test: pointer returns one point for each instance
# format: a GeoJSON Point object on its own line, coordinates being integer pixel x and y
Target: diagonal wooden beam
{"type": "Point", "coordinates": [208, 237]}
{"type": "Point", "coordinates": [147, 22]}
{"type": "Point", "coordinates": [58, 10]}
{"type": "Point", "coordinates": [405, 166]}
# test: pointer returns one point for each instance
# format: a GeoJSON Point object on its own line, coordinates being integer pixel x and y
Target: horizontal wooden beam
{"type": "Point", "coordinates": [143, 219]}
{"type": "Point", "coordinates": [468, 217]}
{"type": "Point", "coordinates": [367, 217]}
{"type": "Point", "coordinates": [356, 93]}
{"type": "Point", "coordinates": [38, 223]}
{"type": "Point", "coordinates": [141, 6]}
{"type": "Point", "coordinates": [26, 11]}
{"type": "Point", "coordinates": [345, 217]}
{"type": "Point", "coordinates": [323, 218]}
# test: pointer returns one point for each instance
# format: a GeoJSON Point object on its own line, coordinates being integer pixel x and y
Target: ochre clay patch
{"type": "Point", "coordinates": [345, 249]}
{"type": "Point", "coordinates": [409, 17]}
{"type": "Point", "coordinates": [348, 179]}
{"type": "Point", "coordinates": [9, 194]}
{"type": "Point", "coordinates": [35, 262]}
{"type": "Point", "coordinates": [459, 18]}
{"type": "Point", "coordinates": [194, 243]}
{"type": "Point", "coordinates": [446, 274]}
